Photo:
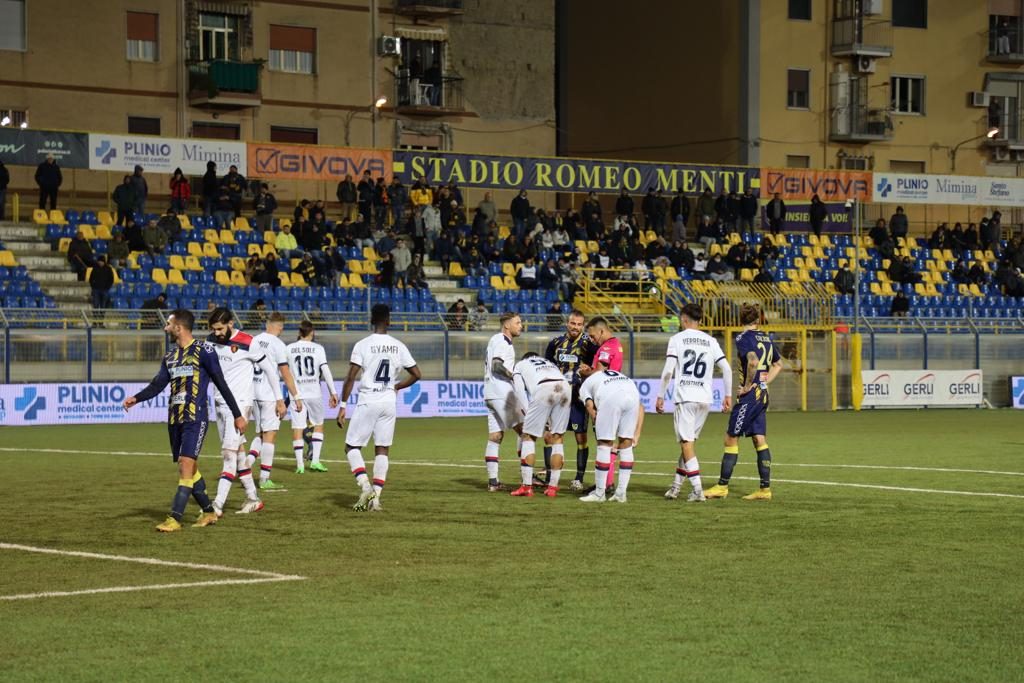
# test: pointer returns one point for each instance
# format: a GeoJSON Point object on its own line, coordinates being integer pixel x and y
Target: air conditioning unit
{"type": "Point", "coordinates": [389, 46]}
{"type": "Point", "coordinates": [865, 65]}
{"type": "Point", "coordinates": [1017, 155]}
{"type": "Point", "coordinates": [872, 7]}
{"type": "Point", "coordinates": [1001, 154]}
{"type": "Point", "coordinates": [979, 98]}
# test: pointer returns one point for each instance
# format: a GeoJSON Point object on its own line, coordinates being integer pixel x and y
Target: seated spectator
{"type": "Point", "coordinates": [255, 270]}
{"type": "Point", "coordinates": [707, 232]}
{"type": "Point", "coordinates": [171, 226]}
{"type": "Point", "coordinates": [547, 239]}
{"type": "Point", "coordinates": [959, 273]}
{"type": "Point", "coordinates": [879, 234]}
{"type": "Point", "coordinates": [478, 318]}
{"type": "Point", "coordinates": [844, 280]}
{"type": "Point", "coordinates": [718, 271]}
{"type": "Point", "coordinates": [224, 209]}
{"type": "Point", "coordinates": [549, 276]}
{"type": "Point", "coordinates": [656, 249]}
{"type": "Point", "coordinates": [560, 236]}
{"type": "Point", "coordinates": [101, 280]}
{"type": "Point", "coordinates": [738, 257]}
{"type": "Point", "coordinates": [456, 317]}
{"type": "Point", "coordinates": [555, 320]}
{"type": "Point", "coordinates": [444, 250]}
{"type": "Point", "coordinates": [307, 269]}
{"type": "Point", "coordinates": [285, 242]}
{"type": "Point", "coordinates": [902, 271]}
{"type": "Point", "coordinates": [510, 250]}
{"type": "Point", "coordinates": [898, 225]}
{"type": "Point", "coordinates": [526, 278]}
{"type": "Point", "coordinates": [603, 260]}
{"type": "Point", "coordinates": [155, 238]}
{"type": "Point", "coordinates": [159, 302]}
{"type": "Point", "coordinates": [387, 242]}
{"type": "Point", "coordinates": [117, 251]}
{"type": "Point", "coordinates": [272, 277]}
{"type": "Point", "coordinates": [133, 235]}
{"type": "Point", "coordinates": [700, 266]}
{"type": "Point", "coordinates": [768, 253]}
{"type": "Point", "coordinates": [900, 305]}
{"type": "Point", "coordinates": [313, 240]}
{"type": "Point", "coordinates": [681, 256]}
{"type": "Point", "coordinates": [976, 275]}
{"type": "Point", "coordinates": [414, 275]}
{"type": "Point", "coordinates": [1015, 285]}
{"type": "Point", "coordinates": [939, 238]}
{"type": "Point", "coordinates": [764, 277]}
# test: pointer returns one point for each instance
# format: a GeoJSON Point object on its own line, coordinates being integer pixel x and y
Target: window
{"type": "Point", "coordinates": [217, 131]}
{"type": "Point", "coordinates": [800, 9]}
{"type": "Point", "coordinates": [906, 166]}
{"type": "Point", "coordinates": [854, 164]}
{"type": "Point", "coordinates": [292, 49]}
{"type": "Point", "coordinates": [298, 136]}
{"type": "Point", "coordinates": [142, 36]}
{"type": "Point", "coordinates": [142, 125]}
{"type": "Point", "coordinates": [798, 161]}
{"type": "Point", "coordinates": [910, 13]}
{"type": "Point", "coordinates": [218, 37]}
{"type": "Point", "coordinates": [13, 117]}
{"type": "Point", "coordinates": [907, 94]}
{"type": "Point", "coordinates": [421, 81]}
{"type": "Point", "coordinates": [12, 25]}
{"type": "Point", "coordinates": [798, 88]}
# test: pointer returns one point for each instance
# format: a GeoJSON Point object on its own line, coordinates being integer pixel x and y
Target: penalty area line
{"type": "Point", "coordinates": [154, 587]}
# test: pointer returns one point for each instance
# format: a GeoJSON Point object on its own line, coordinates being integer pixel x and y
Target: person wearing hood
{"type": "Point", "coordinates": [124, 199]}
{"type": "Point", "coordinates": [181, 191]}
{"type": "Point", "coordinates": [49, 180]}
{"type": "Point", "coordinates": [211, 188]}
{"type": "Point", "coordinates": [141, 188]}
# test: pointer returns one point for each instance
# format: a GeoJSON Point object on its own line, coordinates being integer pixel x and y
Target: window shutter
{"type": "Point", "coordinates": [142, 26]}
{"type": "Point", "coordinates": [294, 38]}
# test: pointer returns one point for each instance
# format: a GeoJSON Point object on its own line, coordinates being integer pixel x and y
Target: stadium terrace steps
{"type": "Point", "coordinates": [47, 267]}
{"type": "Point", "coordinates": [14, 232]}
{"type": "Point", "coordinates": [446, 289]}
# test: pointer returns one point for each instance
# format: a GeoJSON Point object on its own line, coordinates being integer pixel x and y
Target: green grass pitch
{"type": "Point", "coordinates": [864, 573]}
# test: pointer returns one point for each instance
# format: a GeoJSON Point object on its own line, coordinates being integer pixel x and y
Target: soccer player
{"type": "Point", "coordinates": [540, 386]}
{"type": "Point", "coordinates": [689, 359]}
{"type": "Point", "coordinates": [267, 412]}
{"type": "Point", "coordinates": [569, 352]}
{"type": "Point", "coordinates": [613, 401]}
{"type": "Point", "coordinates": [608, 357]}
{"type": "Point", "coordinates": [189, 369]}
{"type": "Point", "coordinates": [503, 409]}
{"type": "Point", "coordinates": [760, 364]}
{"type": "Point", "coordinates": [378, 358]}
{"type": "Point", "coordinates": [308, 362]}
{"type": "Point", "coordinates": [238, 361]}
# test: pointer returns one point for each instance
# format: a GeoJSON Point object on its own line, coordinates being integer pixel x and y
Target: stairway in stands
{"type": "Point", "coordinates": [446, 289]}
{"type": "Point", "coordinates": [49, 268]}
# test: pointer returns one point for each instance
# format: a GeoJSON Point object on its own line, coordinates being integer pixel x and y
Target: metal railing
{"type": "Point", "coordinates": [418, 92]}
{"type": "Point", "coordinates": [1006, 42]}
{"type": "Point", "coordinates": [222, 75]}
{"type": "Point", "coordinates": [856, 35]}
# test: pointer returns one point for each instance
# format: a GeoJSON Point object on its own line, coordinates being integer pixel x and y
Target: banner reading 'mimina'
{"type": "Point", "coordinates": [571, 175]}
{"type": "Point", "coordinates": [309, 162]}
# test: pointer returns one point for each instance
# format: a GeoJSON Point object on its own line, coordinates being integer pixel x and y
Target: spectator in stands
{"type": "Point", "coordinates": [223, 211]}
{"type": "Point", "coordinates": [748, 211]}
{"type": "Point", "coordinates": [971, 236]}
{"type": "Point", "coordinates": [273, 277]}
{"type": "Point", "coordinates": [988, 234]}
{"type": "Point", "coordinates": [348, 198]}
{"type": "Point", "coordinates": [141, 188]}
{"type": "Point", "coordinates": [432, 223]}
{"type": "Point", "coordinates": [844, 280]}
{"type": "Point", "coordinates": [124, 199]}
{"type": "Point", "coordinates": [301, 213]}
{"type": "Point", "coordinates": [255, 271]}
{"type": "Point", "coordinates": [455, 193]}
{"type": "Point", "coordinates": [80, 255]}
{"type": "Point", "coordinates": [549, 277]}
{"type": "Point", "coordinates": [732, 208]}
{"type": "Point", "coordinates": [117, 251]}
{"type": "Point", "coordinates": [997, 218]}
{"type": "Point", "coordinates": [307, 269]}
{"type": "Point", "coordinates": [594, 228]}
{"type": "Point", "coordinates": [718, 270]}
{"type": "Point", "coordinates": [456, 317]}
{"type": "Point", "coordinates": [554, 321]}
{"type": "Point", "coordinates": [403, 259]}
{"type": "Point", "coordinates": [444, 249]}
{"type": "Point", "coordinates": [768, 253]}
{"type": "Point", "coordinates": [1015, 285]}
{"type": "Point", "coordinates": [624, 204]}
{"type": "Point", "coordinates": [520, 211]}
{"type": "Point", "coordinates": [738, 257]}
{"type": "Point", "coordinates": [681, 256]}
{"type": "Point", "coordinates": [171, 226]}
{"type": "Point", "coordinates": [398, 197]}
{"type": "Point", "coordinates": [380, 203]}
{"type": "Point", "coordinates": [648, 207]}
{"type": "Point", "coordinates": [706, 205]}
{"type": "Point", "coordinates": [313, 240]}
{"type": "Point", "coordinates": [526, 278]}
{"type": "Point", "coordinates": [181, 191]}
{"type": "Point", "coordinates": [898, 225]}
{"type": "Point", "coordinates": [591, 204]}
{"type": "Point", "coordinates": [957, 241]}
{"type": "Point", "coordinates": [959, 274]}
{"type": "Point", "coordinates": [510, 250]}
{"type": "Point", "coordinates": [818, 213]}
{"type": "Point", "coordinates": [155, 238]}
{"type": "Point", "coordinates": [285, 242]}
{"type": "Point", "coordinates": [416, 228]}
{"type": "Point", "coordinates": [414, 275]}
{"type": "Point", "coordinates": [133, 235]}
{"type": "Point", "coordinates": [763, 277]}
{"type": "Point", "coordinates": [902, 271]}
{"type": "Point", "coordinates": [420, 194]}
{"type": "Point", "coordinates": [487, 209]}
{"type": "Point", "coordinates": [700, 266]}
{"type": "Point", "coordinates": [656, 249]}
{"type": "Point", "coordinates": [478, 317]}
{"type": "Point", "coordinates": [880, 237]}
{"type": "Point", "coordinates": [210, 188]}
{"type": "Point", "coordinates": [939, 238]}
{"type": "Point", "coordinates": [707, 232]}
{"type": "Point", "coordinates": [490, 250]}
{"type": "Point", "coordinates": [5, 180]}
{"type": "Point", "coordinates": [775, 212]}
{"type": "Point", "coordinates": [1002, 46]}
{"type": "Point", "coordinates": [1014, 253]}
{"type": "Point", "coordinates": [603, 260]}
{"type": "Point", "coordinates": [265, 204]}
{"type": "Point", "coordinates": [680, 211]}
{"type": "Point", "coordinates": [900, 305]}
{"type": "Point", "coordinates": [49, 180]}
{"type": "Point", "coordinates": [977, 275]}
{"type": "Point", "coordinates": [101, 280]}
{"type": "Point", "coordinates": [157, 303]}
{"type": "Point", "coordinates": [456, 216]}
{"type": "Point", "coordinates": [569, 279]}
{"type": "Point", "coordinates": [318, 214]}
{"type": "Point", "coordinates": [235, 184]}
{"type": "Point", "coordinates": [559, 236]}
{"type": "Point", "coordinates": [386, 243]}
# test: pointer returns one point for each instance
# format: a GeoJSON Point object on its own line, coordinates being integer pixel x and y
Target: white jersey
{"type": "Point", "coordinates": [499, 347]}
{"type": "Point", "coordinates": [276, 350]}
{"type": "Point", "coordinates": [308, 362]}
{"type": "Point", "coordinates": [238, 361]}
{"type": "Point", "coordinates": [695, 353]}
{"type": "Point", "coordinates": [381, 357]}
{"type": "Point", "coordinates": [530, 372]}
{"type": "Point", "coordinates": [610, 387]}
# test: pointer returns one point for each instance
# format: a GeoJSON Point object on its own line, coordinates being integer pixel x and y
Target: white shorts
{"type": "Point", "coordinates": [312, 413]}
{"type": "Point", "coordinates": [372, 419]}
{"type": "Point", "coordinates": [689, 420]}
{"type": "Point", "coordinates": [264, 416]}
{"type": "Point", "coordinates": [503, 413]}
{"type": "Point", "coordinates": [549, 406]}
{"type": "Point", "coordinates": [230, 439]}
{"type": "Point", "coordinates": [617, 420]}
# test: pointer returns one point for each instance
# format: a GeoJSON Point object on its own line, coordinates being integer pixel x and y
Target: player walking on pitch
{"type": "Point", "coordinates": [540, 386]}
{"type": "Point", "coordinates": [760, 364]}
{"type": "Point", "coordinates": [189, 369]}
{"type": "Point", "coordinates": [689, 360]}
{"type": "Point", "coordinates": [503, 409]}
{"type": "Point", "coordinates": [378, 359]}
{"type": "Point", "coordinates": [308, 362]}
{"type": "Point", "coordinates": [613, 401]}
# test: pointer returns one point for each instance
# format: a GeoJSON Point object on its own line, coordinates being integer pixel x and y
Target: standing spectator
{"type": "Point", "coordinates": [224, 209]}
{"type": "Point", "coordinates": [957, 241]}
{"type": "Point", "coordinates": [285, 243]}
{"type": "Point", "coordinates": [5, 180]}
{"type": "Point", "coordinates": [80, 255]}
{"type": "Point", "coordinates": [939, 238]}
{"type": "Point", "coordinates": [380, 203]}
{"type": "Point", "coordinates": [364, 194]}
{"type": "Point", "coordinates": [680, 211]}
{"type": "Point", "coordinates": [403, 259]}
{"type": "Point", "coordinates": [348, 197]}
{"type": "Point", "coordinates": [141, 191]}
{"type": "Point", "coordinates": [988, 234]}
{"type": "Point", "coordinates": [235, 184]}
{"type": "Point", "coordinates": [624, 204]}
{"type": "Point", "coordinates": [706, 205]}
{"type": "Point", "coordinates": [900, 305]}
{"type": "Point", "coordinates": [117, 251]}
{"type": "Point", "coordinates": [49, 180]}
{"type": "Point", "coordinates": [775, 211]}
{"type": "Point", "coordinates": [124, 199]}
{"type": "Point", "coordinates": [732, 208]}
{"type": "Point", "coordinates": [521, 212]}
{"type": "Point", "coordinates": [101, 280]}
{"type": "Point", "coordinates": [265, 205]}
{"type": "Point", "coordinates": [478, 318]}
{"type": "Point", "coordinates": [181, 191]}
{"type": "Point", "coordinates": [971, 236]}
{"type": "Point", "coordinates": [155, 238]}
{"type": "Point", "coordinates": [591, 204]}
{"type": "Point", "coordinates": [398, 196]}
{"type": "Point", "coordinates": [818, 214]}
{"type": "Point", "coordinates": [844, 280]}
{"type": "Point", "coordinates": [420, 194]}
{"type": "Point", "coordinates": [647, 208]}
{"type": "Point", "coordinates": [898, 225]}
{"type": "Point", "coordinates": [414, 275]}
{"type": "Point", "coordinates": [1002, 39]}
{"type": "Point", "coordinates": [487, 208]}
{"type": "Point", "coordinates": [318, 214]}
{"type": "Point", "coordinates": [748, 211]}
{"type": "Point", "coordinates": [211, 188]}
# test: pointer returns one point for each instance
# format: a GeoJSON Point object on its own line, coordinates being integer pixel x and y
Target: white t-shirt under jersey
{"type": "Point", "coordinates": [381, 357]}
{"type": "Point", "coordinates": [275, 349]}
{"type": "Point", "coordinates": [501, 347]}
{"type": "Point", "coordinates": [696, 353]}
{"type": "Point", "coordinates": [308, 362]}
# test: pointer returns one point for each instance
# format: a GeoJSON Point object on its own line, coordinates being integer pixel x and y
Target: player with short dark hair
{"type": "Point", "coordinates": [503, 409]}
{"type": "Point", "coordinates": [609, 356]}
{"type": "Point", "coordinates": [308, 362]}
{"type": "Point", "coordinates": [189, 369]}
{"type": "Point", "coordinates": [760, 364]}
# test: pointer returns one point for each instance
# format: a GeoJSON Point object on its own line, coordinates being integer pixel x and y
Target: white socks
{"type": "Point", "coordinates": [266, 461]}
{"type": "Point", "coordinates": [691, 468]}
{"type": "Point", "coordinates": [299, 446]}
{"type": "Point", "coordinates": [625, 469]}
{"type": "Point", "coordinates": [603, 462]}
{"type": "Point", "coordinates": [318, 443]}
{"type": "Point", "coordinates": [245, 476]}
{"type": "Point", "coordinates": [491, 459]}
{"type": "Point", "coordinates": [557, 451]}
{"type": "Point", "coordinates": [254, 450]}
{"type": "Point", "coordinates": [358, 466]}
{"type": "Point", "coordinates": [527, 449]}
{"type": "Point", "coordinates": [227, 477]}
{"type": "Point", "coordinates": [380, 473]}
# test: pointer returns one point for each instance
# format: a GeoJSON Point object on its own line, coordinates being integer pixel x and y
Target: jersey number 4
{"type": "Point", "coordinates": [694, 365]}
{"type": "Point", "coordinates": [383, 374]}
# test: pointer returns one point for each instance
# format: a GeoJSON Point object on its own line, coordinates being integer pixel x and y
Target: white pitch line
{"type": "Point", "coordinates": [161, 586]}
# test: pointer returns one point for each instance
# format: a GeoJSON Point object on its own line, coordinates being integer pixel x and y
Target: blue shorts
{"type": "Point", "coordinates": [187, 439]}
{"type": "Point", "coordinates": [578, 418]}
{"type": "Point", "coordinates": [750, 414]}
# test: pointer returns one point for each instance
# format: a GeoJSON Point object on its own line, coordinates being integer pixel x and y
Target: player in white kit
{"type": "Point", "coordinates": [308, 362]}
{"type": "Point", "coordinates": [376, 361]}
{"type": "Point", "coordinates": [238, 360]}
{"type": "Point", "coordinates": [503, 409]}
{"type": "Point", "coordinates": [613, 401]}
{"type": "Point", "coordinates": [540, 386]}
{"type": "Point", "coordinates": [267, 412]}
{"type": "Point", "coordinates": [689, 359]}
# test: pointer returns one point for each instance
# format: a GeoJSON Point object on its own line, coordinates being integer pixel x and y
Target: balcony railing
{"type": "Point", "coordinates": [1006, 44]}
{"type": "Point", "coordinates": [861, 124]}
{"type": "Point", "coordinates": [428, 7]}
{"type": "Point", "coordinates": [223, 82]}
{"type": "Point", "coordinates": [856, 36]}
{"type": "Point", "coordinates": [418, 95]}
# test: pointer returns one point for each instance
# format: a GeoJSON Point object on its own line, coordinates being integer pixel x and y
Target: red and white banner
{"type": "Point", "coordinates": [917, 388]}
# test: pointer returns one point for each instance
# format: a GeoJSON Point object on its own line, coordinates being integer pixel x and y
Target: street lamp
{"type": "Point", "coordinates": [374, 110]}
{"type": "Point", "coordinates": [992, 132]}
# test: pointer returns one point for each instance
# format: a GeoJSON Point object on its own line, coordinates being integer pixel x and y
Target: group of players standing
{"type": "Point", "coordinates": [539, 398]}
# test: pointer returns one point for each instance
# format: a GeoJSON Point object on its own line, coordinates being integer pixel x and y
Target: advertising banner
{"type": "Point", "coordinates": [798, 218]}
{"type": "Point", "coordinates": [163, 155]}
{"type": "Point", "coordinates": [29, 147]}
{"type": "Point", "coordinates": [917, 388]}
{"type": "Point", "coordinates": [1017, 391]}
{"type": "Point", "coordinates": [572, 175]}
{"type": "Point", "coordinates": [905, 188]}
{"type": "Point", "coordinates": [308, 162]}
{"type": "Point", "coordinates": [801, 183]}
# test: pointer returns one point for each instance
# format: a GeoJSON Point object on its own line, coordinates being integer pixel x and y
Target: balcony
{"type": "Point", "coordinates": [858, 37]}
{"type": "Point", "coordinates": [1006, 44]}
{"type": "Point", "coordinates": [224, 84]}
{"type": "Point", "coordinates": [428, 8]}
{"type": "Point", "coordinates": [861, 124]}
{"type": "Point", "coordinates": [417, 96]}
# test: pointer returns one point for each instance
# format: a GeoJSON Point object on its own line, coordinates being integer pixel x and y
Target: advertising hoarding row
{"type": "Point", "coordinates": [919, 388]}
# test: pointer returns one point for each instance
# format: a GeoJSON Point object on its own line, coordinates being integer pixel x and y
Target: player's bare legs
{"type": "Point", "coordinates": [527, 454]}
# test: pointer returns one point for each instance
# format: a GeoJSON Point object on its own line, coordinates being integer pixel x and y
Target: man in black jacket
{"type": "Point", "coordinates": [349, 198]}
{"type": "Point", "coordinates": [49, 179]}
{"type": "Point", "coordinates": [364, 193]}
{"type": "Point", "coordinates": [5, 180]}
{"type": "Point", "coordinates": [818, 214]}
{"type": "Point", "coordinates": [624, 204]}
{"type": "Point", "coordinates": [235, 184]}
{"type": "Point", "coordinates": [748, 211]}
{"type": "Point", "coordinates": [101, 279]}
{"type": "Point", "coordinates": [843, 280]}
{"type": "Point", "coordinates": [521, 212]}
{"type": "Point", "coordinates": [80, 255]}
{"type": "Point", "coordinates": [211, 188]}
{"type": "Point", "coordinates": [775, 211]}
{"type": "Point", "coordinates": [265, 205]}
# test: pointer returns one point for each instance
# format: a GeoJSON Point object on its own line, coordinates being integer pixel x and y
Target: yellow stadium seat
{"type": "Point", "coordinates": [792, 273]}
{"type": "Point", "coordinates": [159, 276]}
{"type": "Point", "coordinates": [370, 254]}
{"type": "Point", "coordinates": [237, 277]}
{"type": "Point", "coordinates": [195, 249]}
{"type": "Point", "coordinates": [211, 235]}
{"type": "Point", "coordinates": [715, 249]}
{"type": "Point", "coordinates": [355, 266]}
{"type": "Point", "coordinates": [192, 263]}
{"type": "Point", "coordinates": [370, 268]}
{"type": "Point", "coordinates": [294, 263]}
{"type": "Point", "coordinates": [174, 277]}
{"type": "Point", "coordinates": [510, 268]}
{"type": "Point", "coordinates": [177, 262]}
{"type": "Point", "coordinates": [497, 282]}
{"type": "Point", "coordinates": [807, 250]}
{"type": "Point", "coordinates": [299, 281]}
{"type": "Point", "coordinates": [184, 222]}
{"type": "Point", "coordinates": [7, 259]}
{"type": "Point", "coordinates": [103, 232]}
{"type": "Point", "coordinates": [242, 223]}
{"type": "Point", "coordinates": [133, 259]}
{"type": "Point", "coordinates": [269, 250]}
{"type": "Point", "coordinates": [63, 244]}
{"type": "Point", "coordinates": [87, 232]}
{"type": "Point", "coordinates": [330, 239]}
{"type": "Point", "coordinates": [581, 246]}
{"type": "Point", "coordinates": [356, 281]}
{"type": "Point", "coordinates": [593, 247]}
{"type": "Point", "coordinates": [221, 277]}
{"type": "Point", "coordinates": [746, 275]}
{"type": "Point", "coordinates": [975, 290]}
{"type": "Point", "coordinates": [210, 250]}
{"type": "Point", "coordinates": [254, 249]}
{"type": "Point", "coordinates": [237, 263]}
{"type": "Point", "coordinates": [887, 289]}
{"type": "Point", "coordinates": [990, 256]}
{"type": "Point", "coordinates": [227, 237]}
{"type": "Point", "coordinates": [503, 232]}
{"type": "Point", "coordinates": [651, 235]}
{"type": "Point", "coordinates": [780, 240]}
{"type": "Point", "coordinates": [510, 282]}
{"type": "Point", "coordinates": [105, 218]}
{"type": "Point", "coordinates": [882, 276]}
{"type": "Point", "coordinates": [876, 288]}
{"type": "Point", "coordinates": [57, 216]}
{"type": "Point", "coordinates": [455, 270]}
